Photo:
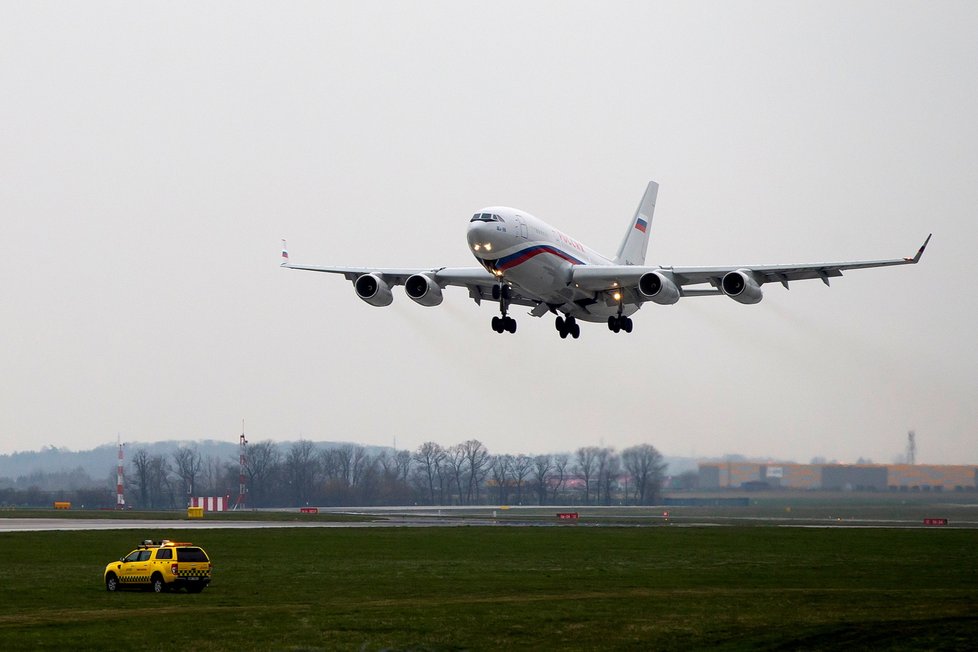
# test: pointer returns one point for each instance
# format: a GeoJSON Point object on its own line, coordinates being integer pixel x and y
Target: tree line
{"type": "Point", "coordinates": [302, 473]}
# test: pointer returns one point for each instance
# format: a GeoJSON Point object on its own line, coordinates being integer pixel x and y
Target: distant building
{"type": "Point", "coordinates": [847, 477]}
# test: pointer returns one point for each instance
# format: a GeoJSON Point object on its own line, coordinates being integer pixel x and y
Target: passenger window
{"type": "Point", "coordinates": [143, 555]}
{"type": "Point", "coordinates": [132, 556]}
{"type": "Point", "coordinates": [165, 553]}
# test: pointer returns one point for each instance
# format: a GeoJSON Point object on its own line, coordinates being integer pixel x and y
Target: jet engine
{"type": "Point", "coordinates": [658, 288]}
{"type": "Point", "coordinates": [423, 289]}
{"type": "Point", "coordinates": [741, 286]}
{"type": "Point", "coordinates": [374, 290]}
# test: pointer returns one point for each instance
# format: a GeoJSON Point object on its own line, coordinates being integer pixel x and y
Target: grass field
{"type": "Point", "coordinates": [570, 587]}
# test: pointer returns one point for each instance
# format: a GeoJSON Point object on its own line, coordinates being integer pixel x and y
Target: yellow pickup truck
{"type": "Point", "coordinates": [160, 566]}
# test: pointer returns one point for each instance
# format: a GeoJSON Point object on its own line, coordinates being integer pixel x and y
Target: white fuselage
{"type": "Point", "coordinates": [537, 260]}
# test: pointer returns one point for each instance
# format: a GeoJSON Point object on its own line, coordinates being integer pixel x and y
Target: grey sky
{"type": "Point", "coordinates": [152, 156]}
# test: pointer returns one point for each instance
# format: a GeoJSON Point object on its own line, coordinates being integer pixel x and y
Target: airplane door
{"type": "Point", "coordinates": [520, 227]}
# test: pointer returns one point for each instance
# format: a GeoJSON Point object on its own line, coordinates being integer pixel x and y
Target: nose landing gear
{"type": "Point", "coordinates": [505, 323]}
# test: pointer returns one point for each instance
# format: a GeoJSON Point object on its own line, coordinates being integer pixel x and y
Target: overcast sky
{"type": "Point", "coordinates": [153, 155]}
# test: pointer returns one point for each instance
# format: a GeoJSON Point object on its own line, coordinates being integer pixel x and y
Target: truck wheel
{"type": "Point", "coordinates": [158, 585]}
{"type": "Point", "coordinates": [111, 583]}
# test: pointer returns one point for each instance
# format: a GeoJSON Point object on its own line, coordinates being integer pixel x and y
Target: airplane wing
{"type": "Point", "coordinates": [627, 277]}
{"type": "Point", "coordinates": [476, 280]}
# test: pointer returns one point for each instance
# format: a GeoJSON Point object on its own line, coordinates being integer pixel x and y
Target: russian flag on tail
{"type": "Point", "coordinates": [641, 224]}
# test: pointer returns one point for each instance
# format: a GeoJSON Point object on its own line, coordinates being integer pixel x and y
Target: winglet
{"type": "Point", "coordinates": [920, 252]}
{"type": "Point", "coordinates": [285, 253]}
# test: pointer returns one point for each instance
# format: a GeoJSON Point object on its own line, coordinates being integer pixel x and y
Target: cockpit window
{"type": "Point", "coordinates": [486, 217]}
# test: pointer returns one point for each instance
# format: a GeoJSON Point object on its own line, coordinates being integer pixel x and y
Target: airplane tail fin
{"type": "Point", "coordinates": [636, 243]}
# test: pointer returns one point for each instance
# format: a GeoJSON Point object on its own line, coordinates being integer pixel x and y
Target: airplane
{"type": "Point", "coordinates": [527, 262]}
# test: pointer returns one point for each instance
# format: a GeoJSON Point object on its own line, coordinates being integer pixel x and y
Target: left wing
{"type": "Point", "coordinates": [740, 282]}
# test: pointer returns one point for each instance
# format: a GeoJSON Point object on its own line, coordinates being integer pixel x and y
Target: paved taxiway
{"type": "Point", "coordinates": [73, 524]}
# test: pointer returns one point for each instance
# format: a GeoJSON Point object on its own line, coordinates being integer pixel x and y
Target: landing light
{"type": "Point", "coordinates": [617, 296]}
{"type": "Point", "coordinates": [488, 246]}
{"type": "Point", "coordinates": [477, 247]}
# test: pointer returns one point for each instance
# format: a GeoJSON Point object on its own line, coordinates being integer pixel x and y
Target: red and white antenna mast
{"type": "Point", "coordinates": [242, 461]}
{"type": "Point", "coordinates": [120, 499]}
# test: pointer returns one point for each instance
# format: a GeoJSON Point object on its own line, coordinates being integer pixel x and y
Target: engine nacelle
{"type": "Point", "coordinates": [741, 286]}
{"type": "Point", "coordinates": [658, 288]}
{"type": "Point", "coordinates": [374, 290]}
{"type": "Point", "coordinates": [423, 289]}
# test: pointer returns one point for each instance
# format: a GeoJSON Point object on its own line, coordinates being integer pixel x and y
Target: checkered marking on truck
{"type": "Point", "coordinates": [193, 573]}
{"type": "Point", "coordinates": [134, 579]}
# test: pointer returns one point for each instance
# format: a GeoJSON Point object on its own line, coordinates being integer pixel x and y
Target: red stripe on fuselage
{"type": "Point", "coordinates": [531, 252]}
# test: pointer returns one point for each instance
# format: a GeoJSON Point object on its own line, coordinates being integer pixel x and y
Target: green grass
{"type": "Point", "coordinates": [489, 588]}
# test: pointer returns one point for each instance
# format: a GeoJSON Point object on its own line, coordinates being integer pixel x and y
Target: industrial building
{"type": "Point", "coordinates": [846, 477]}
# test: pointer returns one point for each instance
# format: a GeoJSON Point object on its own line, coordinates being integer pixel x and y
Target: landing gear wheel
{"type": "Point", "coordinates": [620, 323]}
{"type": "Point", "coordinates": [501, 292]}
{"type": "Point", "coordinates": [567, 327]}
{"type": "Point", "coordinates": [504, 324]}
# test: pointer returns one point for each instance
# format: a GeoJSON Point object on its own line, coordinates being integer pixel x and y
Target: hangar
{"type": "Point", "coordinates": [847, 477]}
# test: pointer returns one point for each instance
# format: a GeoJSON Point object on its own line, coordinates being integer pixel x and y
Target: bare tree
{"type": "Point", "coordinates": [477, 461]}
{"type": "Point", "coordinates": [585, 467]}
{"type": "Point", "coordinates": [151, 475]}
{"type": "Point", "coordinates": [429, 459]}
{"type": "Point", "coordinates": [560, 474]}
{"type": "Point", "coordinates": [609, 468]}
{"type": "Point", "coordinates": [188, 466]}
{"type": "Point", "coordinates": [644, 463]}
{"type": "Point", "coordinates": [501, 466]}
{"type": "Point", "coordinates": [543, 466]}
{"type": "Point", "coordinates": [140, 475]}
{"type": "Point", "coordinates": [360, 465]}
{"type": "Point", "coordinates": [393, 476]}
{"type": "Point", "coordinates": [521, 470]}
{"type": "Point", "coordinates": [212, 480]}
{"type": "Point", "coordinates": [161, 488]}
{"type": "Point", "coordinates": [302, 471]}
{"type": "Point", "coordinates": [455, 459]}
{"type": "Point", "coordinates": [261, 465]}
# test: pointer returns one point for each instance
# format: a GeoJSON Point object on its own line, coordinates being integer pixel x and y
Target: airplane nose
{"type": "Point", "coordinates": [478, 239]}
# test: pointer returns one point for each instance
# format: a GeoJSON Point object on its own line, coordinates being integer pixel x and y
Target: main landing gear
{"type": "Point", "coordinates": [505, 323]}
{"type": "Point", "coordinates": [620, 323]}
{"type": "Point", "coordinates": [568, 326]}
